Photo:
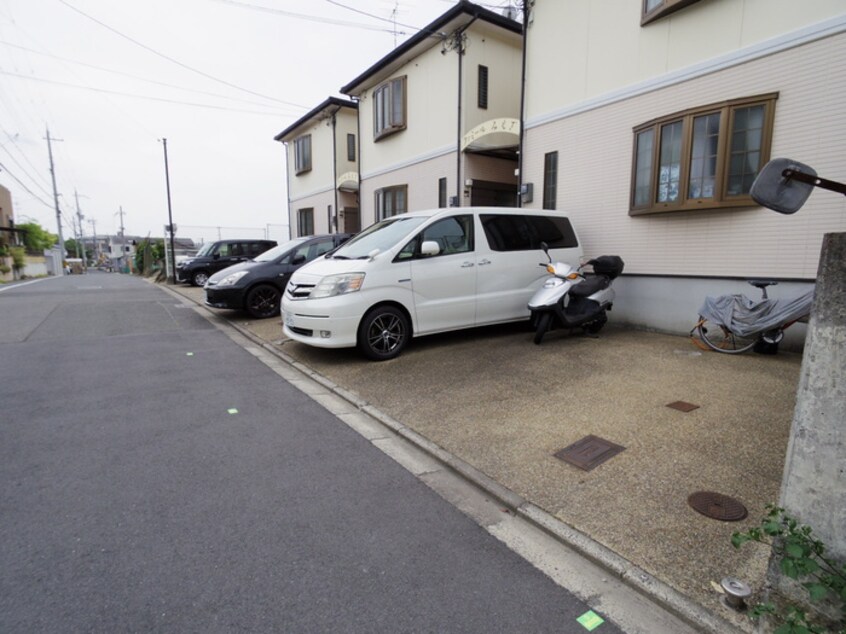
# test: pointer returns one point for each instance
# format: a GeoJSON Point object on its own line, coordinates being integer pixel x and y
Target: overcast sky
{"type": "Point", "coordinates": [216, 78]}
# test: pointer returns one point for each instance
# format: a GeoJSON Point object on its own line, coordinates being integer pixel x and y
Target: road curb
{"type": "Point", "coordinates": [655, 590]}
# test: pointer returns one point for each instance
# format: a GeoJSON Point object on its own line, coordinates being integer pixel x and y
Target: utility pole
{"type": "Point", "coordinates": [170, 226]}
{"type": "Point", "coordinates": [80, 242]}
{"type": "Point", "coordinates": [56, 201]}
{"type": "Point", "coordinates": [123, 256]}
{"type": "Point", "coordinates": [95, 247]}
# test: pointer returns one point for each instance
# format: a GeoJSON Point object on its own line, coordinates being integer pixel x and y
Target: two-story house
{"type": "Point", "coordinates": [648, 121]}
{"type": "Point", "coordinates": [322, 168]}
{"type": "Point", "coordinates": [439, 116]}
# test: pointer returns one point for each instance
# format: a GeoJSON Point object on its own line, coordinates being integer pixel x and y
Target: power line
{"type": "Point", "coordinates": [27, 189]}
{"type": "Point", "coordinates": [311, 18]}
{"type": "Point", "coordinates": [177, 62]}
{"type": "Point", "coordinates": [118, 72]}
{"type": "Point", "coordinates": [137, 96]}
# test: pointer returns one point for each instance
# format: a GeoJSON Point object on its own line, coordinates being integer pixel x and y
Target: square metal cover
{"type": "Point", "coordinates": [682, 406]}
{"type": "Point", "coordinates": [589, 452]}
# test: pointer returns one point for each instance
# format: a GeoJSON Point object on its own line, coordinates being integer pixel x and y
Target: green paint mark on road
{"type": "Point", "coordinates": [590, 620]}
{"type": "Point", "coordinates": [189, 354]}
{"type": "Point", "coordinates": [232, 410]}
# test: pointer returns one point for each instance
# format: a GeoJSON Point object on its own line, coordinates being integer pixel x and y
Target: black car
{"type": "Point", "coordinates": [216, 256]}
{"type": "Point", "coordinates": [257, 285]}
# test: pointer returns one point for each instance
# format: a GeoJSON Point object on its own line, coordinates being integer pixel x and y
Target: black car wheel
{"type": "Point", "coordinates": [263, 301]}
{"type": "Point", "coordinates": [199, 278]}
{"type": "Point", "coordinates": [383, 333]}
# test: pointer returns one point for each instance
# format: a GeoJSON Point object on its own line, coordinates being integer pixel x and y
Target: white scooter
{"type": "Point", "coordinates": [572, 298]}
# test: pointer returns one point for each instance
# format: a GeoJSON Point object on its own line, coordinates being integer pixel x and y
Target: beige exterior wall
{"type": "Point", "coordinates": [321, 174]}
{"type": "Point", "coordinates": [431, 98]}
{"type": "Point", "coordinates": [6, 212]}
{"type": "Point", "coordinates": [346, 122]}
{"type": "Point", "coordinates": [595, 164]}
{"type": "Point", "coordinates": [427, 149]}
{"type": "Point", "coordinates": [421, 179]}
{"type": "Point", "coordinates": [500, 51]}
{"type": "Point", "coordinates": [319, 202]}
{"type": "Point", "coordinates": [584, 49]}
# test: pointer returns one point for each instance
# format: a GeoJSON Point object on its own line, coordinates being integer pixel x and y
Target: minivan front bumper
{"type": "Point", "coordinates": [331, 322]}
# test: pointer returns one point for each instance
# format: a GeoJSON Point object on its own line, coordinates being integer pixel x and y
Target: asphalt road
{"type": "Point", "coordinates": [157, 477]}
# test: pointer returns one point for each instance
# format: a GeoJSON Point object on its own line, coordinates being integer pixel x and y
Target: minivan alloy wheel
{"type": "Point", "coordinates": [383, 333]}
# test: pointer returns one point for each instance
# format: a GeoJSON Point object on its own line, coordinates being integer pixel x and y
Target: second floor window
{"type": "Point", "coordinates": [389, 108]}
{"type": "Point", "coordinates": [391, 201]}
{"type": "Point", "coordinates": [482, 97]}
{"type": "Point", "coordinates": [703, 158]}
{"type": "Point", "coordinates": [351, 148]}
{"type": "Point", "coordinates": [302, 154]}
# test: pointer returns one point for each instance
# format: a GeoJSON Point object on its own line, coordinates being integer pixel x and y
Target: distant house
{"type": "Point", "coordinates": [8, 233]}
{"type": "Point", "coordinates": [323, 177]}
{"type": "Point", "coordinates": [648, 121]}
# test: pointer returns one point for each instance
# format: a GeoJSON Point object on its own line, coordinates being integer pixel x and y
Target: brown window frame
{"type": "Point", "coordinates": [382, 193]}
{"type": "Point", "coordinates": [390, 126]}
{"type": "Point", "coordinates": [721, 199]}
{"type": "Point", "coordinates": [302, 159]}
{"type": "Point", "coordinates": [443, 198]}
{"type": "Point", "coordinates": [662, 9]}
{"type": "Point", "coordinates": [305, 228]}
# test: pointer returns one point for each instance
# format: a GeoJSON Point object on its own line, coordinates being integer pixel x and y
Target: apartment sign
{"type": "Point", "coordinates": [503, 125]}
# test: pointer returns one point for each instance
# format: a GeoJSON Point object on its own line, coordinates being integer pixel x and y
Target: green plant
{"type": "Point", "coordinates": [18, 257]}
{"type": "Point", "coordinates": [800, 556]}
{"type": "Point", "coordinates": [4, 269]}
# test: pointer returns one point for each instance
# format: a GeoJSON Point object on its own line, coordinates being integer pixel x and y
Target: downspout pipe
{"type": "Point", "coordinates": [526, 10]}
{"type": "Point", "coordinates": [459, 35]}
{"type": "Point", "coordinates": [334, 170]}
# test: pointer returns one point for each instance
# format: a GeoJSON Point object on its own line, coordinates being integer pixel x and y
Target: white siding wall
{"type": "Point", "coordinates": [581, 49]}
{"type": "Point", "coordinates": [321, 175]}
{"type": "Point", "coordinates": [431, 97]}
{"type": "Point", "coordinates": [346, 123]}
{"type": "Point", "coordinates": [500, 52]}
{"type": "Point", "coordinates": [422, 180]}
{"type": "Point", "coordinates": [319, 202]}
{"type": "Point", "coordinates": [595, 154]}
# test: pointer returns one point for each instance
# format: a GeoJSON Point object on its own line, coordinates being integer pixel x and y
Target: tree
{"type": "Point", "coordinates": [37, 239]}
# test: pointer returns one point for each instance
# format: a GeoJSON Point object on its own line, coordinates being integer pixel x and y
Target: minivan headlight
{"type": "Point", "coordinates": [333, 285]}
{"type": "Point", "coordinates": [232, 278]}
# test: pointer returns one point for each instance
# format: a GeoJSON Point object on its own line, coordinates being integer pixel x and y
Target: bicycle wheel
{"type": "Point", "coordinates": [721, 339]}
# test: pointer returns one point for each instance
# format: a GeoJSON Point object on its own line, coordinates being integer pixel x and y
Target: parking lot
{"type": "Point", "coordinates": [494, 399]}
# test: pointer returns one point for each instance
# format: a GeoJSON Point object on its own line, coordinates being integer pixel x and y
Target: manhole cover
{"type": "Point", "coordinates": [717, 506]}
{"type": "Point", "coordinates": [589, 452]}
{"type": "Point", "coordinates": [682, 406]}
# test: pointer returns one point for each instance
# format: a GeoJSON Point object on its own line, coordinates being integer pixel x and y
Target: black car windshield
{"type": "Point", "coordinates": [276, 252]}
{"type": "Point", "coordinates": [382, 236]}
{"type": "Point", "coordinates": [206, 249]}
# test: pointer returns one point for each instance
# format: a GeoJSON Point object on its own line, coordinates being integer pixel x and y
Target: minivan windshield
{"type": "Point", "coordinates": [206, 249]}
{"type": "Point", "coordinates": [382, 236]}
{"type": "Point", "coordinates": [275, 252]}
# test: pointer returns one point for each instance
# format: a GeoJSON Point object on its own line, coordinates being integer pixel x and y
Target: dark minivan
{"type": "Point", "coordinates": [216, 256]}
{"type": "Point", "coordinates": [257, 286]}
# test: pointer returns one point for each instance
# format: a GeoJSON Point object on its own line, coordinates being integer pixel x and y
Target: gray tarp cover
{"type": "Point", "coordinates": [745, 317]}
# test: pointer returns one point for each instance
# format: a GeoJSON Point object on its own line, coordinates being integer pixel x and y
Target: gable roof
{"type": "Point", "coordinates": [461, 15]}
{"type": "Point", "coordinates": [329, 106]}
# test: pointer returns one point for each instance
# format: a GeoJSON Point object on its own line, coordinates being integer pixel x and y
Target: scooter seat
{"type": "Point", "coordinates": [590, 285]}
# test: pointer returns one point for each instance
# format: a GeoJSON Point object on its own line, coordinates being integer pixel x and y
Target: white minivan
{"type": "Point", "coordinates": [425, 272]}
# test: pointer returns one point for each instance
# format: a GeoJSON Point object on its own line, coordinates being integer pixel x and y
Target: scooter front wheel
{"type": "Point", "coordinates": [542, 327]}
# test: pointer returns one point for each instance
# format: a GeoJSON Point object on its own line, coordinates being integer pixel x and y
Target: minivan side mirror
{"type": "Point", "coordinates": [429, 248]}
{"type": "Point", "coordinates": [298, 259]}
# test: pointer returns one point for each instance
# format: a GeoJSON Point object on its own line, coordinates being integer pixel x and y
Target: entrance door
{"type": "Point", "coordinates": [352, 220]}
{"type": "Point", "coordinates": [493, 194]}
